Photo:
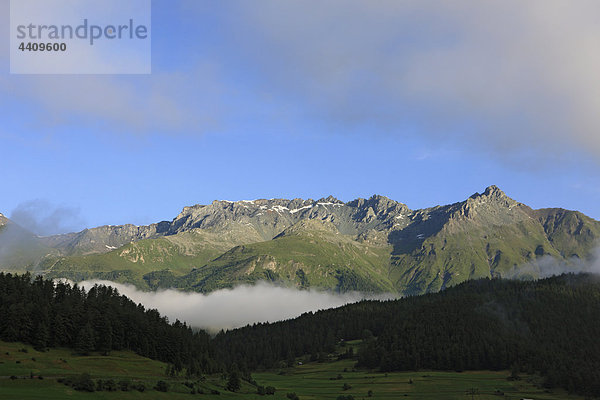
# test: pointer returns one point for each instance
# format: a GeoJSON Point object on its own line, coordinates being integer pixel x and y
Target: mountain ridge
{"type": "Point", "coordinates": [372, 244]}
{"type": "Point", "coordinates": [376, 206]}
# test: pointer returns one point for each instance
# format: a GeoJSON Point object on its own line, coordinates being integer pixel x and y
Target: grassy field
{"type": "Point", "coordinates": [321, 381]}
{"type": "Point", "coordinates": [308, 381]}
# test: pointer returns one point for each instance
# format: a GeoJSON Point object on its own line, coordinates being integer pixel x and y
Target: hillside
{"type": "Point", "coordinates": [310, 253]}
{"type": "Point", "coordinates": [468, 336]}
{"type": "Point", "coordinates": [374, 244]}
{"type": "Point", "coordinates": [547, 326]}
{"type": "Point", "coordinates": [46, 314]}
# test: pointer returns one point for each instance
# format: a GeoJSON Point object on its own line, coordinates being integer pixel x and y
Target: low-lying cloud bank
{"type": "Point", "coordinates": [234, 308]}
{"type": "Point", "coordinates": [547, 266]}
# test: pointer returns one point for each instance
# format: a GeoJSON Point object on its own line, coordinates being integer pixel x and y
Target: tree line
{"type": "Point", "coordinates": [548, 327]}
{"type": "Point", "coordinates": [47, 314]}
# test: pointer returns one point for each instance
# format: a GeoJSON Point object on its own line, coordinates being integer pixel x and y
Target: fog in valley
{"type": "Point", "coordinates": [237, 307]}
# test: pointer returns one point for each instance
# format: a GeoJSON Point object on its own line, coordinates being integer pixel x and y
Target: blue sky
{"type": "Point", "coordinates": [420, 101]}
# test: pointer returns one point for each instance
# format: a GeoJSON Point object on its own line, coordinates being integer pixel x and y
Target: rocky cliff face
{"type": "Point", "coordinates": [101, 239]}
{"type": "Point", "coordinates": [253, 221]}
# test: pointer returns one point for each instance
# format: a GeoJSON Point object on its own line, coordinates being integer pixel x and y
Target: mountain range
{"type": "Point", "coordinates": [372, 245]}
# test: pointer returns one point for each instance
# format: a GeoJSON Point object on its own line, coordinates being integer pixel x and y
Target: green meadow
{"type": "Point", "coordinates": [322, 381]}
{"type": "Point", "coordinates": [312, 380]}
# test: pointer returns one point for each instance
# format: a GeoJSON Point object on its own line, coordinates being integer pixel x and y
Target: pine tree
{"type": "Point", "coordinates": [41, 337]}
{"type": "Point", "coordinates": [85, 340]}
{"type": "Point", "coordinates": [60, 334]}
{"type": "Point", "coordinates": [234, 383]}
{"type": "Point", "coordinates": [105, 333]}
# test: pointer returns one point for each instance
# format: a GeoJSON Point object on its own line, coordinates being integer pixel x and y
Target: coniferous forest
{"type": "Point", "coordinates": [548, 326]}
{"type": "Point", "coordinates": [47, 314]}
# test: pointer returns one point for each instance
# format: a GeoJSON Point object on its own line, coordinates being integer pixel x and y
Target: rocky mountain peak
{"type": "Point", "coordinates": [378, 198]}
{"type": "Point", "coordinates": [493, 193]}
{"type": "Point", "coordinates": [330, 199]}
{"type": "Point", "coordinates": [383, 205]}
{"type": "Point", "coordinates": [491, 206]}
{"type": "Point", "coordinates": [190, 209]}
{"type": "Point", "coordinates": [490, 191]}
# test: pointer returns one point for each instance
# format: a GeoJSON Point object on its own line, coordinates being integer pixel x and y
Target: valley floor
{"type": "Point", "coordinates": [309, 381]}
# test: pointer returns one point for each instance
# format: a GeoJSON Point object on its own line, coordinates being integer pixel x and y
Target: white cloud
{"type": "Point", "coordinates": [44, 218]}
{"type": "Point", "coordinates": [166, 102]}
{"type": "Point", "coordinates": [501, 75]}
{"type": "Point", "coordinates": [181, 100]}
{"type": "Point", "coordinates": [232, 308]}
{"type": "Point", "coordinates": [506, 77]}
{"type": "Point", "coordinates": [547, 266]}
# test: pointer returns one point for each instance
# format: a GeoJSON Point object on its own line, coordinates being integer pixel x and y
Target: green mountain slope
{"type": "Point", "coordinates": [149, 263]}
{"type": "Point", "coordinates": [570, 232]}
{"type": "Point", "coordinates": [311, 253]}
{"type": "Point", "coordinates": [490, 235]}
